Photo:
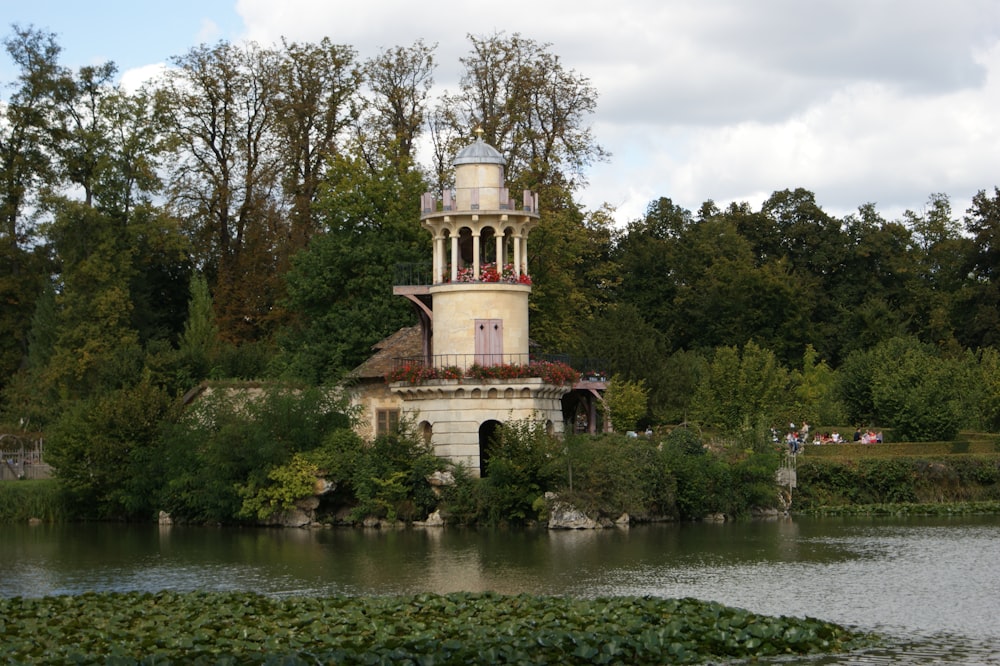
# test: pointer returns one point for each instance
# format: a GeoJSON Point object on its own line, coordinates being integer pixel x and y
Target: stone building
{"type": "Point", "coordinates": [473, 312]}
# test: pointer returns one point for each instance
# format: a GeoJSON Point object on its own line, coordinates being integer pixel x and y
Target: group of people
{"type": "Point", "coordinates": [867, 437]}
{"type": "Point", "coordinates": [795, 439]}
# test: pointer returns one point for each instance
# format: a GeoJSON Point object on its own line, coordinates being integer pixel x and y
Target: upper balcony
{"type": "Point", "coordinates": [422, 275]}
{"type": "Point", "coordinates": [478, 200]}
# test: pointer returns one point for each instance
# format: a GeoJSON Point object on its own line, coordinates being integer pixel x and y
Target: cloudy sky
{"type": "Point", "coordinates": [881, 101]}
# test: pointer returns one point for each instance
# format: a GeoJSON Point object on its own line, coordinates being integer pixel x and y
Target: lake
{"type": "Point", "coordinates": [931, 586]}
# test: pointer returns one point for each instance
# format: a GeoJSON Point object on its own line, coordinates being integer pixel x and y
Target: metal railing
{"type": "Point", "coordinates": [413, 274]}
{"type": "Point", "coordinates": [22, 458]}
{"type": "Point", "coordinates": [589, 368]}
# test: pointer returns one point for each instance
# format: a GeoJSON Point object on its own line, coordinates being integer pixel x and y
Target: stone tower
{"type": "Point", "coordinates": [475, 313]}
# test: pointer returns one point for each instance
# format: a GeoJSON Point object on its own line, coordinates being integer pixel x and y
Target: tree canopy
{"type": "Point", "coordinates": [242, 216]}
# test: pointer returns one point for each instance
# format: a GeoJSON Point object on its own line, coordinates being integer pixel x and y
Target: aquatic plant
{"type": "Point", "coordinates": [458, 628]}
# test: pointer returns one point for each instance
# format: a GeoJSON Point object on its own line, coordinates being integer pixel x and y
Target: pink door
{"type": "Point", "coordinates": [489, 341]}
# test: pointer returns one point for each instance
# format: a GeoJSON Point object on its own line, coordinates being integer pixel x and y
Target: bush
{"type": "Point", "coordinates": [610, 475]}
{"type": "Point", "coordinates": [879, 481]}
{"type": "Point", "coordinates": [233, 439]}
{"type": "Point", "coordinates": [102, 450]}
{"type": "Point", "coordinates": [26, 499]}
{"type": "Point", "coordinates": [524, 461]}
{"type": "Point", "coordinates": [386, 478]}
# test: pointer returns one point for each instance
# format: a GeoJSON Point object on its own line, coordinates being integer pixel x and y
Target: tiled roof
{"type": "Point", "coordinates": [406, 342]}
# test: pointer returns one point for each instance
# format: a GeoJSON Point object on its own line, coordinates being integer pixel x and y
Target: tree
{"type": "Point", "coordinates": [571, 271]}
{"type": "Point", "coordinates": [202, 472]}
{"type": "Point", "coordinates": [80, 132]}
{"type": "Point", "coordinates": [199, 343]}
{"type": "Point", "coordinates": [989, 369]}
{"type": "Point", "coordinates": [101, 449]}
{"type": "Point", "coordinates": [399, 82]}
{"type": "Point", "coordinates": [225, 179]}
{"type": "Point", "coordinates": [940, 290]}
{"type": "Point", "coordinates": [916, 391]}
{"type": "Point", "coordinates": [625, 402]}
{"type": "Point", "coordinates": [315, 105]}
{"type": "Point", "coordinates": [648, 254]}
{"type": "Point", "coordinates": [341, 285]}
{"type": "Point", "coordinates": [25, 165]}
{"type": "Point", "coordinates": [742, 390]}
{"type": "Point", "coordinates": [982, 222]}
{"type": "Point", "coordinates": [94, 304]}
{"type": "Point", "coordinates": [530, 108]}
{"type": "Point", "coordinates": [873, 294]}
{"type": "Point", "coordinates": [815, 387]}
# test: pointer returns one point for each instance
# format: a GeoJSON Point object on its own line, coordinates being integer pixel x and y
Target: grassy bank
{"type": "Point", "coordinates": [20, 501]}
{"type": "Point", "coordinates": [460, 628]}
{"type": "Point", "coordinates": [953, 476]}
{"type": "Point", "coordinates": [966, 444]}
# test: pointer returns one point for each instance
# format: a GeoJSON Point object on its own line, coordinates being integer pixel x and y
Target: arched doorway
{"type": "Point", "coordinates": [487, 431]}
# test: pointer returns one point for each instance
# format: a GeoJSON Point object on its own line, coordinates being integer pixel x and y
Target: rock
{"type": "Point", "coordinates": [715, 518]}
{"type": "Point", "coordinates": [371, 521]}
{"type": "Point", "coordinates": [765, 514]}
{"type": "Point", "coordinates": [623, 520]}
{"type": "Point", "coordinates": [433, 520]}
{"type": "Point", "coordinates": [34, 521]}
{"type": "Point", "coordinates": [563, 516]}
{"type": "Point", "coordinates": [165, 518]}
{"type": "Point", "coordinates": [322, 487]}
{"type": "Point", "coordinates": [293, 518]}
{"type": "Point", "coordinates": [439, 478]}
{"type": "Point", "coordinates": [308, 504]}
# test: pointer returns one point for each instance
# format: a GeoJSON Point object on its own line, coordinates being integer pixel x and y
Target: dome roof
{"type": "Point", "coordinates": [478, 152]}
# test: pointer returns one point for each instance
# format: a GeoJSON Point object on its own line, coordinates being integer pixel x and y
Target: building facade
{"type": "Point", "coordinates": [473, 314]}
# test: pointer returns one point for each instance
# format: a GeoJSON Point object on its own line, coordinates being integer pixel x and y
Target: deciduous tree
{"type": "Point", "coordinates": [25, 165]}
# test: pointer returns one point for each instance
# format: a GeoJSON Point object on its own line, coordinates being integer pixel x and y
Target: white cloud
{"type": "Point", "coordinates": [133, 79]}
{"type": "Point", "coordinates": [729, 100]}
{"type": "Point", "coordinates": [208, 32]}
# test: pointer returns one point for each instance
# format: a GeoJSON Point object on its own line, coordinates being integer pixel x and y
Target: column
{"type": "Point", "coordinates": [438, 258]}
{"type": "Point", "coordinates": [454, 257]}
{"type": "Point", "coordinates": [475, 253]}
{"type": "Point", "coordinates": [517, 253]}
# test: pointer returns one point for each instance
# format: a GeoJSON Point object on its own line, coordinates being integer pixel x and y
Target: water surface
{"type": "Point", "coordinates": [929, 585]}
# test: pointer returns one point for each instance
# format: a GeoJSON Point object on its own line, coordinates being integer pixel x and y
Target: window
{"type": "Point", "coordinates": [386, 421]}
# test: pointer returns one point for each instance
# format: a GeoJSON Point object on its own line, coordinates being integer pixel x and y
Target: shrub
{"type": "Point", "coordinates": [523, 463]}
{"type": "Point", "coordinates": [230, 440]}
{"type": "Point", "coordinates": [611, 475]}
{"type": "Point", "coordinates": [26, 499]}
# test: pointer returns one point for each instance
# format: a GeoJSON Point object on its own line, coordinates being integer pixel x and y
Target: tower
{"type": "Point", "coordinates": [474, 314]}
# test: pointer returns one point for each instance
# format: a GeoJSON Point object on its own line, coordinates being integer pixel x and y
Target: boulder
{"type": "Point", "coordinates": [293, 518]}
{"type": "Point", "coordinates": [323, 486]}
{"type": "Point", "coordinates": [433, 520]}
{"type": "Point", "coordinates": [563, 516]}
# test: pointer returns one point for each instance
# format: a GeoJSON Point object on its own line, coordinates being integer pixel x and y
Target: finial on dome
{"type": "Point", "coordinates": [479, 132]}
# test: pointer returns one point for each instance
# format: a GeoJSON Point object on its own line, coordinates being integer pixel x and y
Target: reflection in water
{"type": "Point", "coordinates": [929, 585]}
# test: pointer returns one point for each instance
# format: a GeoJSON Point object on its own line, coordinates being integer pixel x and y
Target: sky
{"type": "Point", "coordinates": [860, 101]}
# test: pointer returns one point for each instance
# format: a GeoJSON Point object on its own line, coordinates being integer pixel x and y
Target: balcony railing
{"type": "Point", "coordinates": [413, 274]}
{"type": "Point", "coordinates": [408, 275]}
{"type": "Point", "coordinates": [553, 368]}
